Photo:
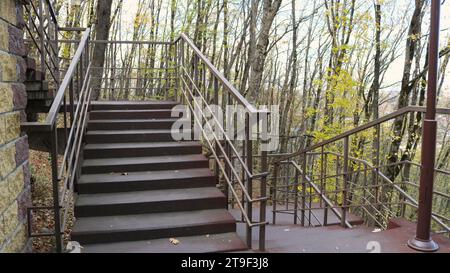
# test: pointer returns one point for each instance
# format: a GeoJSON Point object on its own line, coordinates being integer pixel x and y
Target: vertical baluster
{"type": "Point", "coordinates": [249, 183]}
{"type": "Point", "coordinates": [324, 188]}
{"type": "Point", "coordinates": [345, 182]}
{"type": "Point", "coordinates": [168, 71]}
{"type": "Point", "coordinates": [365, 190]}
{"type": "Point", "coordinates": [287, 179]}
{"type": "Point", "coordinates": [276, 167]}
{"type": "Point", "coordinates": [310, 191]}
{"type": "Point", "coordinates": [263, 204]}
{"type": "Point", "coordinates": [177, 74]}
{"type": "Point", "coordinates": [303, 189]}
{"type": "Point", "coordinates": [336, 185]}
{"type": "Point", "coordinates": [377, 164]}
{"type": "Point", "coordinates": [72, 103]}
{"type": "Point", "coordinates": [41, 34]}
{"type": "Point", "coordinates": [55, 188]}
{"type": "Point", "coordinates": [296, 196]}
{"type": "Point", "coordinates": [322, 157]}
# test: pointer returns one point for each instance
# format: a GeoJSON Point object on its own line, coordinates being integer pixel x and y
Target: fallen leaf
{"type": "Point", "coordinates": [174, 241]}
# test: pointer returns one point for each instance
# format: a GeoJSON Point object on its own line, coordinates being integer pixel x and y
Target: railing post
{"type": "Point", "coordinates": [276, 168]}
{"type": "Point", "coordinates": [263, 204]}
{"type": "Point", "coordinates": [423, 240]}
{"type": "Point", "coordinates": [58, 76]}
{"type": "Point", "coordinates": [303, 190]}
{"type": "Point", "coordinates": [324, 187]}
{"type": "Point", "coordinates": [42, 36]}
{"type": "Point", "coordinates": [249, 184]}
{"type": "Point", "coordinates": [345, 184]}
{"type": "Point", "coordinates": [296, 196]}
{"type": "Point", "coordinates": [216, 102]}
{"type": "Point", "coordinates": [177, 65]}
{"type": "Point", "coordinates": [55, 188]}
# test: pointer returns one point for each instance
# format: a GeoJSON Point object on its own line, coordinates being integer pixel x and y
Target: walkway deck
{"type": "Point", "coordinates": [285, 238]}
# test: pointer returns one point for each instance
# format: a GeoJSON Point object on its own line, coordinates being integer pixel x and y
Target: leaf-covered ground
{"type": "Point", "coordinates": [43, 220]}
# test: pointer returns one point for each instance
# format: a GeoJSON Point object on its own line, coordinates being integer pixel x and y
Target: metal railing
{"type": "Point", "coordinates": [332, 175]}
{"type": "Point", "coordinates": [68, 115]}
{"type": "Point", "coordinates": [202, 85]}
{"type": "Point", "coordinates": [182, 73]}
{"type": "Point", "coordinates": [42, 37]}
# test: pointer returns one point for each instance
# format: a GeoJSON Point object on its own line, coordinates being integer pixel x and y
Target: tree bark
{"type": "Point", "coordinates": [102, 33]}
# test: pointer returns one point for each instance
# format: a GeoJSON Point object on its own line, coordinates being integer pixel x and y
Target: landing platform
{"type": "Point", "coordinates": [288, 238]}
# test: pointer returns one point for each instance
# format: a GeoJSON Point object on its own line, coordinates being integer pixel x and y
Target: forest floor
{"type": "Point", "coordinates": [41, 190]}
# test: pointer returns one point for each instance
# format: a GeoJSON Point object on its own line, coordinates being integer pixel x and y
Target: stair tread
{"type": "Point", "coordinates": [140, 145]}
{"type": "Point", "coordinates": [151, 221]}
{"type": "Point", "coordinates": [169, 195]}
{"type": "Point", "coordinates": [133, 120]}
{"type": "Point", "coordinates": [222, 242]}
{"type": "Point", "coordinates": [143, 160]}
{"type": "Point", "coordinates": [144, 176]}
{"type": "Point", "coordinates": [128, 102]}
{"type": "Point", "coordinates": [131, 111]}
{"type": "Point", "coordinates": [131, 132]}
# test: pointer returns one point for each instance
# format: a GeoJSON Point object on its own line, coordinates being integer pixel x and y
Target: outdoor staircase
{"type": "Point", "coordinates": [39, 94]}
{"type": "Point", "coordinates": [139, 189]}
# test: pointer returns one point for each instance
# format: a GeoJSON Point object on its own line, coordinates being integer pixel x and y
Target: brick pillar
{"type": "Point", "coordinates": [15, 193]}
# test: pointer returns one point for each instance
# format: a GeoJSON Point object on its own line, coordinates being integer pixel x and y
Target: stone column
{"type": "Point", "coordinates": [15, 193]}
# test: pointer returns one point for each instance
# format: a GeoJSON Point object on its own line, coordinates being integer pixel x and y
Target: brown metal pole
{"type": "Point", "coordinates": [423, 240]}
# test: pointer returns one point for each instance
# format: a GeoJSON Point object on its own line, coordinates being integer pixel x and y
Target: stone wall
{"type": "Point", "coordinates": [15, 194]}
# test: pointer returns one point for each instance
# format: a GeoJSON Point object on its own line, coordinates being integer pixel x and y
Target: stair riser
{"type": "Point", "coordinates": [110, 237]}
{"type": "Point", "coordinates": [133, 138]}
{"type": "Point", "coordinates": [126, 125]}
{"type": "Point", "coordinates": [150, 207]}
{"type": "Point", "coordinates": [139, 152]}
{"type": "Point", "coordinates": [129, 186]}
{"type": "Point", "coordinates": [130, 115]}
{"type": "Point", "coordinates": [101, 107]}
{"type": "Point", "coordinates": [145, 167]}
{"type": "Point", "coordinates": [36, 86]}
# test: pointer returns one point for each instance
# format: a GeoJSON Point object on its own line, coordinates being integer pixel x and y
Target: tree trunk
{"type": "Point", "coordinates": [102, 33]}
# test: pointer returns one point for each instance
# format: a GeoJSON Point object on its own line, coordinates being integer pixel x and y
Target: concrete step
{"type": "Point", "coordinates": [139, 202]}
{"type": "Point", "coordinates": [119, 150]}
{"type": "Point", "coordinates": [122, 136]}
{"type": "Point", "coordinates": [91, 230]}
{"type": "Point", "coordinates": [131, 114]}
{"type": "Point", "coordinates": [131, 124]}
{"type": "Point", "coordinates": [132, 105]}
{"type": "Point", "coordinates": [223, 242]}
{"type": "Point", "coordinates": [146, 181]}
{"type": "Point", "coordinates": [142, 164]}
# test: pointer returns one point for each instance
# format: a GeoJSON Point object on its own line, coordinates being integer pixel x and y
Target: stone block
{"type": "Point", "coordinates": [6, 97]}
{"type": "Point", "coordinates": [18, 241]}
{"type": "Point", "coordinates": [4, 197]}
{"type": "Point", "coordinates": [16, 43]}
{"type": "Point", "coordinates": [8, 160]}
{"type": "Point", "coordinates": [22, 150]}
{"type": "Point", "coordinates": [15, 183]}
{"type": "Point", "coordinates": [8, 67]}
{"type": "Point", "coordinates": [12, 126]}
{"type": "Point", "coordinates": [9, 12]}
{"type": "Point", "coordinates": [11, 219]}
{"type": "Point", "coordinates": [24, 202]}
{"type": "Point", "coordinates": [19, 93]}
{"type": "Point", "coordinates": [4, 36]}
